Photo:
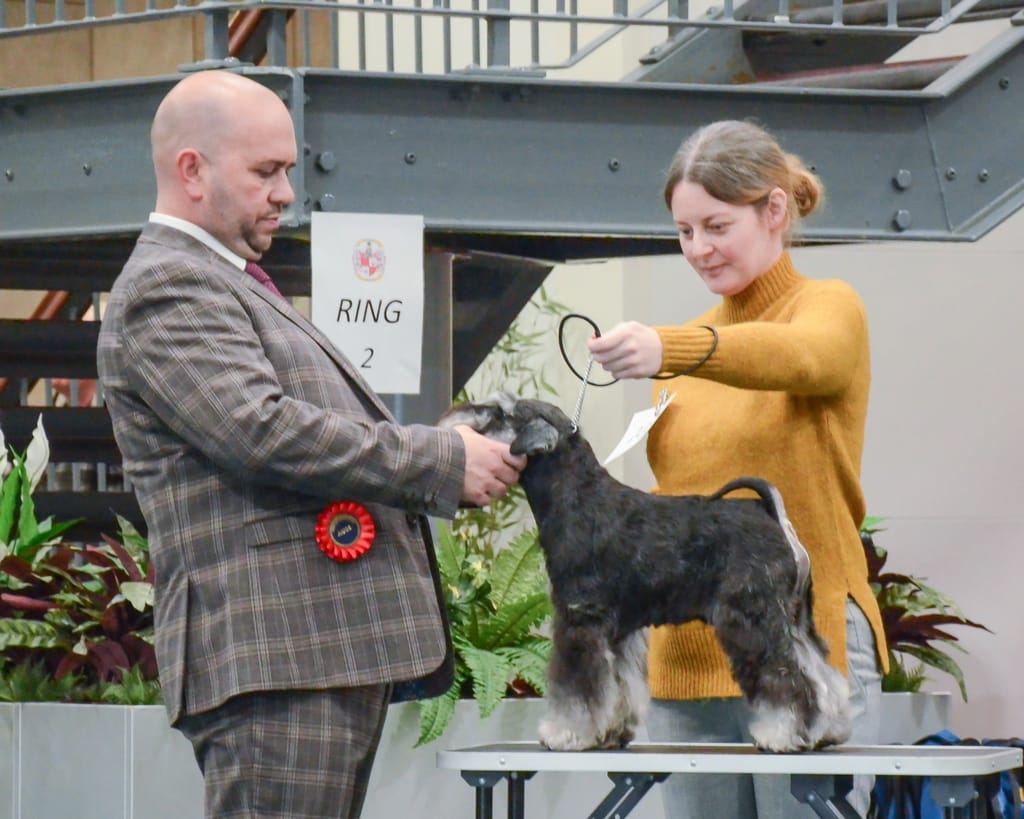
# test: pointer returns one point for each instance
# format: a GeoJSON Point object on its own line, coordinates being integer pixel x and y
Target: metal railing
{"type": "Point", "coordinates": [442, 36]}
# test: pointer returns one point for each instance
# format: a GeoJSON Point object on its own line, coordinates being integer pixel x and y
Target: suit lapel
{"type": "Point", "coordinates": [284, 307]}
{"type": "Point", "coordinates": [182, 242]}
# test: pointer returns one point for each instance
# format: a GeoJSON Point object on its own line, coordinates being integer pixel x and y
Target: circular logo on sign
{"type": "Point", "coordinates": [368, 259]}
{"type": "Point", "coordinates": [344, 531]}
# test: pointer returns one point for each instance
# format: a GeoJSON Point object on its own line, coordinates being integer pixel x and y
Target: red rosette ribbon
{"type": "Point", "coordinates": [344, 531]}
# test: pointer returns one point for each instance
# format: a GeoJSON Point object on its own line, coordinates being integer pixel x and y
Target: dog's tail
{"type": "Point", "coordinates": [777, 509]}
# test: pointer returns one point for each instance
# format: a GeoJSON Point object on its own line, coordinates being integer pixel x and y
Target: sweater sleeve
{"type": "Point", "coordinates": [815, 349]}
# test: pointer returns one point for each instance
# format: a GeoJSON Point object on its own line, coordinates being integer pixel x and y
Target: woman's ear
{"type": "Point", "coordinates": [777, 209]}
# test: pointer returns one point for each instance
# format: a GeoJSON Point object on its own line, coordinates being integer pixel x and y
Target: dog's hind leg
{"type": "Point", "coordinates": [630, 668]}
{"type": "Point", "coordinates": [831, 724]}
{"type": "Point", "coordinates": [768, 671]}
{"type": "Point", "coordinates": [583, 689]}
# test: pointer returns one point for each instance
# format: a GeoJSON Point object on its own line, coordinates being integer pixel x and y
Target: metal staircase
{"type": "Point", "coordinates": [517, 127]}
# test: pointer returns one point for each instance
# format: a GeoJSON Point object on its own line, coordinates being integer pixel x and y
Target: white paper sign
{"type": "Point", "coordinates": [639, 425]}
{"type": "Point", "coordinates": [367, 293]}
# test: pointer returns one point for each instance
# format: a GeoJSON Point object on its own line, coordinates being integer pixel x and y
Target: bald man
{"type": "Point", "coordinates": [296, 587]}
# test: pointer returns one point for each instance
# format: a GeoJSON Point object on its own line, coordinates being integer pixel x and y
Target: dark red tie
{"type": "Point", "coordinates": [261, 276]}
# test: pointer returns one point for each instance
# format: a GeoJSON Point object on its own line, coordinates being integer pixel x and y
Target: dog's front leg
{"type": "Point", "coordinates": [630, 668]}
{"type": "Point", "coordinates": [583, 693]}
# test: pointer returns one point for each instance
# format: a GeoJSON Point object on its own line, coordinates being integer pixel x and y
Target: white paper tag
{"type": "Point", "coordinates": [639, 425]}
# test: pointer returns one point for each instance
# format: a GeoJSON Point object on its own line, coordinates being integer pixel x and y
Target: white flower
{"type": "Point", "coordinates": [3, 456]}
{"type": "Point", "coordinates": [37, 455]}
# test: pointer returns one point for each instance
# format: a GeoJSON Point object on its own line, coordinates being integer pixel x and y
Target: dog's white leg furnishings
{"type": "Point", "coordinates": [820, 779]}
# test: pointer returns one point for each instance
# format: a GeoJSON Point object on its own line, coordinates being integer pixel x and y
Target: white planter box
{"type": "Point", "coordinates": [118, 762]}
{"type": "Point", "coordinates": [95, 762]}
{"type": "Point", "coordinates": [908, 717]}
{"type": "Point", "coordinates": [125, 762]}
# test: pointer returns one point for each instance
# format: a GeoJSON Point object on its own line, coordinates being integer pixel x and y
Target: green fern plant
{"type": "Point", "coordinates": [34, 682]}
{"type": "Point", "coordinates": [491, 565]}
{"type": "Point", "coordinates": [496, 608]}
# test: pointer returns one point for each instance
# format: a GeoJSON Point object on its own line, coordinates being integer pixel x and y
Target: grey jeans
{"type": "Point", "coordinates": [741, 796]}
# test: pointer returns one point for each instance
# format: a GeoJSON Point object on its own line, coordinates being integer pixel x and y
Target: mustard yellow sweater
{"type": "Point", "coordinates": [784, 398]}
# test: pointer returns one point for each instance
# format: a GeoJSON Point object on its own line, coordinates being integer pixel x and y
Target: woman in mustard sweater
{"type": "Point", "coordinates": [783, 397]}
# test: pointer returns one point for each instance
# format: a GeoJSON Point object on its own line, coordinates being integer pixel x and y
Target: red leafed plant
{"type": "Point", "coordinates": [915, 618]}
{"type": "Point", "coordinates": [79, 610]}
{"type": "Point", "coordinates": [76, 620]}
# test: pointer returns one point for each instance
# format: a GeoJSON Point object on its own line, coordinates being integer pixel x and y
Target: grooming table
{"type": "Point", "coordinates": [820, 779]}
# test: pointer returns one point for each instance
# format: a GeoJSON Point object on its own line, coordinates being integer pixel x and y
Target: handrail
{"type": "Point", "coordinates": [498, 34]}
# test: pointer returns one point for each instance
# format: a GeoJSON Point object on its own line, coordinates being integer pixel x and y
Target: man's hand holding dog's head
{"type": "Point", "coordinates": [490, 467]}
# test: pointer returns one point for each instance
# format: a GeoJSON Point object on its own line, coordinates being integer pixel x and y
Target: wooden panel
{"type": "Point", "coordinates": [22, 62]}
{"type": "Point", "coordinates": [319, 40]}
{"type": "Point", "coordinates": [99, 53]}
{"type": "Point", "coordinates": [19, 304]}
{"type": "Point", "coordinates": [142, 49]}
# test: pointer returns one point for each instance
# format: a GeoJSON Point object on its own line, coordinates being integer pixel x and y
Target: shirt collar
{"type": "Point", "coordinates": [199, 234]}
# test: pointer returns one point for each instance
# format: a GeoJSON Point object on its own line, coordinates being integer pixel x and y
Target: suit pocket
{"type": "Point", "coordinates": [281, 529]}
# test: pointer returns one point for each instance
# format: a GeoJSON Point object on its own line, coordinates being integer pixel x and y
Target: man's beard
{"type": "Point", "coordinates": [257, 241]}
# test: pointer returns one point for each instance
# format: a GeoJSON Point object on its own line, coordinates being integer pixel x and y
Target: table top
{"type": "Point", "coordinates": [678, 757]}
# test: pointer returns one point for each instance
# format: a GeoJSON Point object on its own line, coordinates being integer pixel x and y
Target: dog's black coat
{"type": "Point", "coordinates": [620, 559]}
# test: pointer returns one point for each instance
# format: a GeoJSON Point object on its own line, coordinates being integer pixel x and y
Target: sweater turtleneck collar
{"type": "Point", "coordinates": [754, 300]}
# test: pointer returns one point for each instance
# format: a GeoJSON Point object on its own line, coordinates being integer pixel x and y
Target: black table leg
{"type": "Point", "coordinates": [517, 794]}
{"type": "Point", "coordinates": [629, 789]}
{"type": "Point", "coordinates": [483, 783]}
{"type": "Point", "coordinates": [825, 794]}
{"type": "Point", "coordinates": [954, 795]}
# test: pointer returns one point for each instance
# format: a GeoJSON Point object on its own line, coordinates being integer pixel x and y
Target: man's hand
{"type": "Point", "coordinates": [490, 467]}
{"type": "Point", "coordinates": [628, 350]}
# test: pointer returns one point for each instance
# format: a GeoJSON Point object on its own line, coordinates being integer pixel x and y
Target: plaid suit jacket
{"type": "Point", "coordinates": [238, 423]}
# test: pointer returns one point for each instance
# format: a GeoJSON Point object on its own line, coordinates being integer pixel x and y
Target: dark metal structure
{"type": "Point", "coordinates": [513, 168]}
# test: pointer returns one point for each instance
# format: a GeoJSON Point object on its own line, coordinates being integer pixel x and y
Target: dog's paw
{"type": "Point", "coordinates": [557, 737]}
{"type": "Point", "coordinates": [777, 729]}
{"type": "Point", "coordinates": [782, 743]}
{"type": "Point", "coordinates": [835, 732]}
{"type": "Point", "coordinates": [783, 748]}
{"type": "Point", "coordinates": [832, 725]}
{"type": "Point", "coordinates": [617, 740]}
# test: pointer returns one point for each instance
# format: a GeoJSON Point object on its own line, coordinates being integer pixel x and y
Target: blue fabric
{"type": "Point", "coordinates": [910, 797]}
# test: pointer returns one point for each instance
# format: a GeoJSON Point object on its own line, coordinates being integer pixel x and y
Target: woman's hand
{"type": "Point", "coordinates": [628, 350]}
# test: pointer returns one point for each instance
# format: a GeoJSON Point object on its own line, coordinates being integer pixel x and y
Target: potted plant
{"type": "Point", "coordinates": [496, 606]}
{"type": "Point", "coordinates": [916, 619]}
{"type": "Point", "coordinates": [76, 620]}
{"type": "Point", "coordinates": [79, 724]}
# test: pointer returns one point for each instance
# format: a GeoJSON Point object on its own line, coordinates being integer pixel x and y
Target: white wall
{"type": "Point", "coordinates": [944, 445]}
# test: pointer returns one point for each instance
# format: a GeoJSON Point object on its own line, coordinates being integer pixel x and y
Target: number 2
{"type": "Point", "coordinates": [369, 354]}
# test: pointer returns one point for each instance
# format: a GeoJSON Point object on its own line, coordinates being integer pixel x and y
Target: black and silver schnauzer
{"type": "Point", "coordinates": [620, 560]}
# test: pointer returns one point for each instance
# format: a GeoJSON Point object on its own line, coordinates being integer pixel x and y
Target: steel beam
{"type": "Point", "coordinates": [528, 157]}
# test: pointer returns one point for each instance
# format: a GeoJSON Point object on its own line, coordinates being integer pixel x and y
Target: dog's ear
{"type": "Point", "coordinates": [537, 437]}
